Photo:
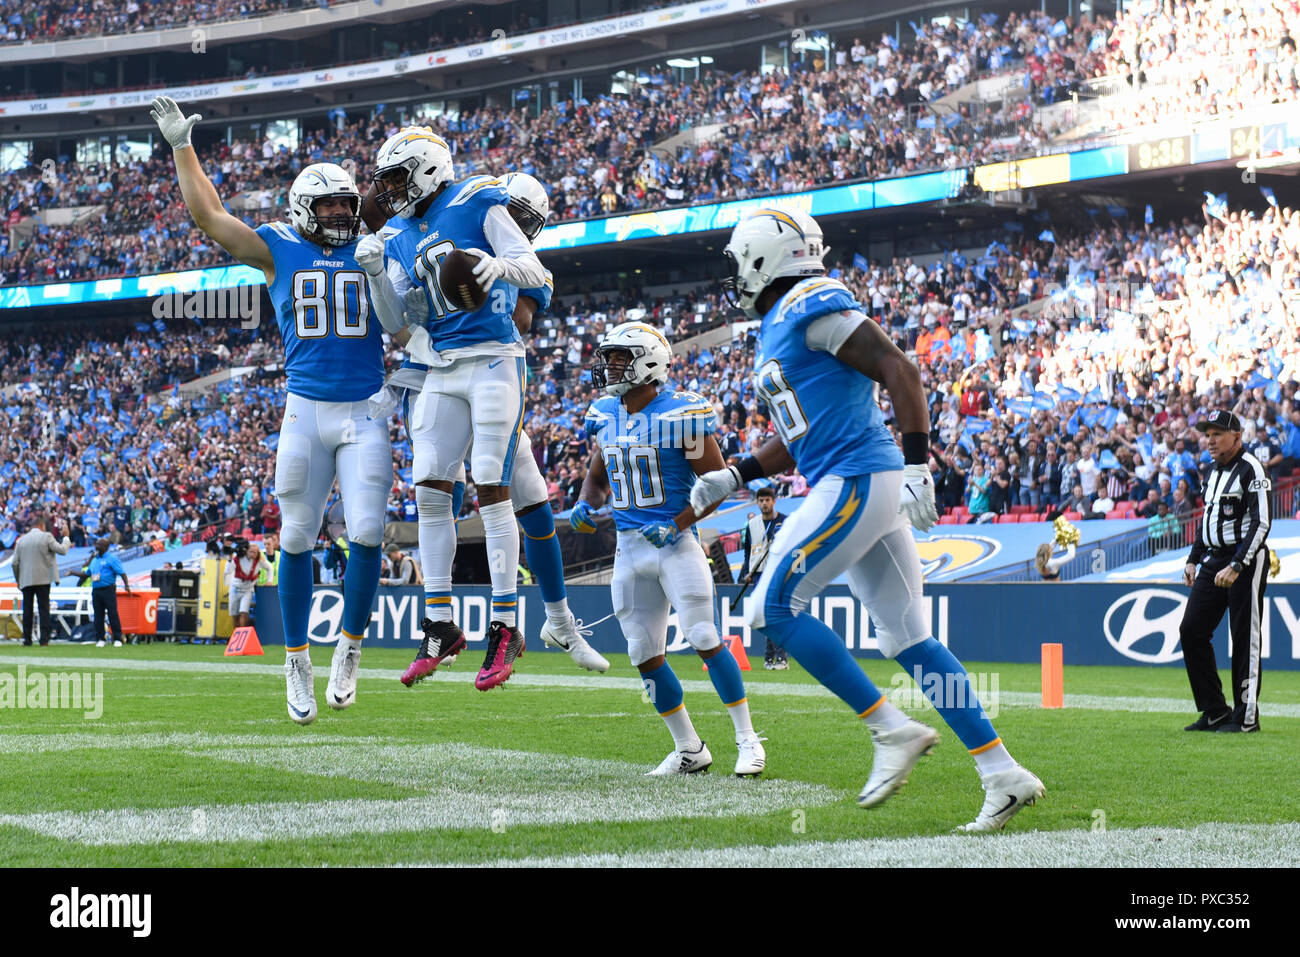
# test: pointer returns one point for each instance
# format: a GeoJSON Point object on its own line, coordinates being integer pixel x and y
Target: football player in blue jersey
{"type": "Point", "coordinates": [334, 361]}
{"type": "Point", "coordinates": [819, 364]}
{"type": "Point", "coordinates": [650, 445]}
{"type": "Point", "coordinates": [529, 207]}
{"type": "Point", "coordinates": [473, 393]}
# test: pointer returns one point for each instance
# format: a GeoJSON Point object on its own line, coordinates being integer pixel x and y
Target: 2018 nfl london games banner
{"type": "Point", "coordinates": [1099, 624]}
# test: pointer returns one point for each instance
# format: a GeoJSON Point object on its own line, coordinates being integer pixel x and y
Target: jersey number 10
{"type": "Point", "coordinates": [426, 270]}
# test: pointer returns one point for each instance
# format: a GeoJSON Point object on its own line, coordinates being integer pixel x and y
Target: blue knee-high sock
{"type": "Point", "coordinates": [822, 652]}
{"type": "Point", "coordinates": [360, 582]}
{"type": "Point", "coordinates": [724, 672]}
{"type": "Point", "coordinates": [664, 689]}
{"type": "Point", "coordinates": [945, 682]}
{"type": "Point", "coordinates": [457, 499]}
{"type": "Point", "coordinates": [295, 598]}
{"type": "Point", "coordinates": [542, 549]}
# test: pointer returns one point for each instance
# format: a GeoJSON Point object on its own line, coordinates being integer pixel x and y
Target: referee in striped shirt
{"type": "Point", "coordinates": [1226, 572]}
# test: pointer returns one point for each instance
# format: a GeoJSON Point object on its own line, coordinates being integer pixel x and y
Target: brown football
{"type": "Point", "coordinates": [457, 282]}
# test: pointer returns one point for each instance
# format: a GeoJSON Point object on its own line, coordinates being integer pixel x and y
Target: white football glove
{"type": "Point", "coordinates": [383, 403]}
{"type": "Point", "coordinates": [488, 270]}
{"type": "Point", "coordinates": [714, 487]}
{"type": "Point", "coordinates": [370, 255]}
{"type": "Point", "coordinates": [175, 125]}
{"type": "Point", "coordinates": [916, 497]}
{"type": "Point", "coordinates": [416, 304]}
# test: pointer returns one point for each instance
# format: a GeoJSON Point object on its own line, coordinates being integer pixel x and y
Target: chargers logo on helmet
{"type": "Point", "coordinates": [767, 244]}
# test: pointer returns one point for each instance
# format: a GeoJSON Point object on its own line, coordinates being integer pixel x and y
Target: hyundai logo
{"type": "Point", "coordinates": [1133, 623]}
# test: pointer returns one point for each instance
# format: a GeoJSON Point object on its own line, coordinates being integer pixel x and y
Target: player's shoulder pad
{"type": "Point", "coordinates": [601, 412]}
{"type": "Point", "coordinates": [816, 296]}
{"type": "Point", "coordinates": [692, 410]}
{"type": "Point", "coordinates": [481, 191]}
{"type": "Point", "coordinates": [277, 232]}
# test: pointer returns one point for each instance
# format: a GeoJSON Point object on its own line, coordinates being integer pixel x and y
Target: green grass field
{"type": "Point", "coordinates": [194, 762]}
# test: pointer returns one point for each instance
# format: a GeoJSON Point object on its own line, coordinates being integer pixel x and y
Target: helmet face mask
{"type": "Point", "coordinates": [529, 205]}
{"type": "Point", "coordinates": [527, 218]}
{"type": "Point", "coordinates": [770, 244]}
{"type": "Point", "coordinates": [394, 191]}
{"type": "Point", "coordinates": [611, 367]}
{"type": "Point", "coordinates": [413, 165]}
{"type": "Point", "coordinates": [632, 354]}
{"type": "Point", "coordinates": [339, 229]}
{"type": "Point", "coordinates": [321, 181]}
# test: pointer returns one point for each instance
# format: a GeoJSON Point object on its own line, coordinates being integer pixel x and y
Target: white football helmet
{"type": "Point", "coordinates": [529, 204]}
{"type": "Point", "coordinates": [412, 165]}
{"type": "Point", "coordinates": [315, 182]}
{"type": "Point", "coordinates": [650, 358]}
{"type": "Point", "coordinates": [767, 244]}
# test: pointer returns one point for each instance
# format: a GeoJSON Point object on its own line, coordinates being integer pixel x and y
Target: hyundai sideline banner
{"type": "Point", "coordinates": [1097, 624]}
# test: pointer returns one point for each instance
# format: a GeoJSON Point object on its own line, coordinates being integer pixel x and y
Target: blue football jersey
{"type": "Point", "coordinates": [648, 454]}
{"type": "Point", "coordinates": [541, 295]}
{"type": "Point", "coordinates": [455, 221]}
{"type": "Point", "coordinates": [825, 412]}
{"type": "Point", "coordinates": [333, 344]}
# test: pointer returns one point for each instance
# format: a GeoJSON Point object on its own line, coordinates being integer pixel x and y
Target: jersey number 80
{"type": "Point", "coordinates": [315, 310]}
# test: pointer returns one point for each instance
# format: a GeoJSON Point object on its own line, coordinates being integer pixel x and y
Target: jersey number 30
{"type": "Point", "coordinates": [634, 477]}
{"type": "Point", "coordinates": [319, 310]}
{"type": "Point", "coordinates": [787, 414]}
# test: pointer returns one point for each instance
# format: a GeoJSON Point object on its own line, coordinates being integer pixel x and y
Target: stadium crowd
{"type": "Point", "coordinates": [1202, 57]}
{"type": "Point", "coordinates": [1021, 350]}
{"type": "Point", "coordinates": [44, 20]}
{"type": "Point", "coordinates": [777, 132]}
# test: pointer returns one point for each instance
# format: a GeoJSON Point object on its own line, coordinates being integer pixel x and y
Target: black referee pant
{"type": "Point", "coordinates": [1244, 601]}
{"type": "Point", "coordinates": [103, 603]}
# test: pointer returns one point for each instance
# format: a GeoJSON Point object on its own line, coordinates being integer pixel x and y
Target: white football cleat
{"type": "Point", "coordinates": [750, 756]}
{"type": "Point", "coordinates": [116, 643]}
{"type": "Point", "coordinates": [342, 689]}
{"type": "Point", "coordinates": [897, 752]}
{"type": "Point", "coordinates": [684, 762]}
{"type": "Point", "coordinates": [298, 679]}
{"type": "Point", "coordinates": [100, 643]}
{"type": "Point", "coordinates": [569, 637]}
{"type": "Point", "coordinates": [1005, 793]}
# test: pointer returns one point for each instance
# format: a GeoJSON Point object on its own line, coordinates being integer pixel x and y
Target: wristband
{"type": "Point", "coordinates": [916, 445]}
{"type": "Point", "coordinates": [747, 470]}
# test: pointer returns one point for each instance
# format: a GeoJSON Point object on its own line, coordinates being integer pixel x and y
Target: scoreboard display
{"type": "Point", "coordinates": [1160, 153]}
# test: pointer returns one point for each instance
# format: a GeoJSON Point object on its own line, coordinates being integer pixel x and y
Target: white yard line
{"type": "Point", "coordinates": [463, 787]}
{"type": "Point", "coordinates": [1206, 845]}
{"type": "Point", "coordinates": [759, 689]}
